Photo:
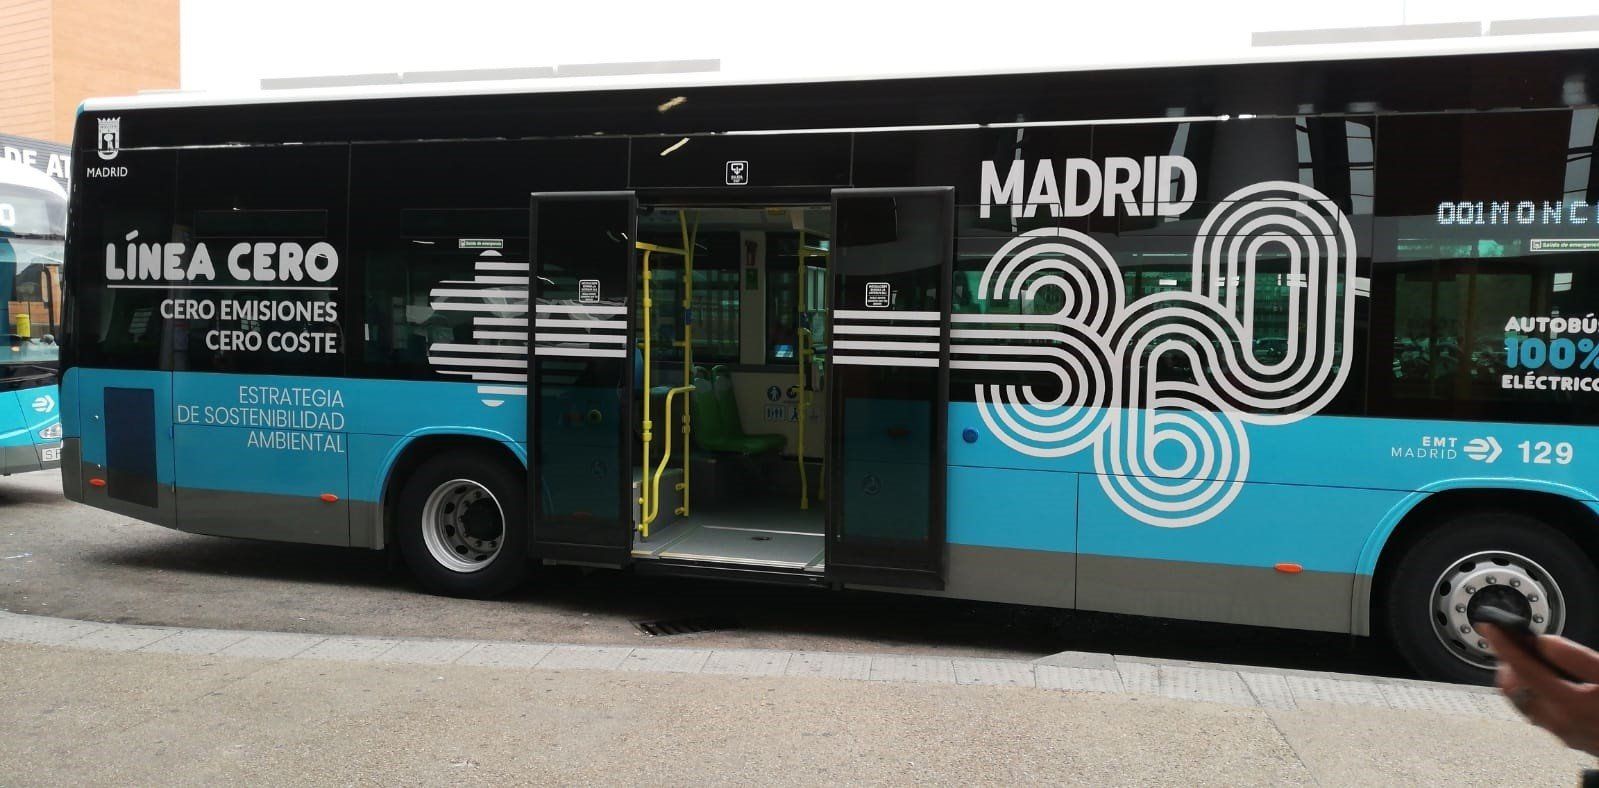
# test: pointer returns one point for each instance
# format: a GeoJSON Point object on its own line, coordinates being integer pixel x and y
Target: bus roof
{"type": "Point", "coordinates": [179, 98]}
{"type": "Point", "coordinates": [16, 173]}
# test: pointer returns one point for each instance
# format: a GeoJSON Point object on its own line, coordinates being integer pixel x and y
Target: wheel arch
{"type": "Point", "coordinates": [411, 451]}
{"type": "Point", "coordinates": [1571, 510]}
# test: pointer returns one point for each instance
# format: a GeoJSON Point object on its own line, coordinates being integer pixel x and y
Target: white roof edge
{"type": "Point", "coordinates": [1482, 46]}
{"type": "Point", "coordinates": [19, 174]}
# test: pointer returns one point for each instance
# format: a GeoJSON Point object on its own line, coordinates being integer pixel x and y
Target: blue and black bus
{"type": "Point", "coordinates": [33, 217]}
{"type": "Point", "coordinates": [1293, 344]}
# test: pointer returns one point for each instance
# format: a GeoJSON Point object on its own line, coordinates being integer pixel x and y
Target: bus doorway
{"type": "Point", "coordinates": [691, 410]}
{"type": "Point", "coordinates": [730, 388]}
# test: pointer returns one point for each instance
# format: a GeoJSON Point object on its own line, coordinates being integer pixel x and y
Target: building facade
{"type": "Point", "coordinates": [56, 53]}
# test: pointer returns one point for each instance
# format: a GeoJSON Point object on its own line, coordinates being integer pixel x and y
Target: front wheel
{"type": "Point", "coordinates": [1502, 558]}
{"type": "Point", "coordinates": [462, 526]}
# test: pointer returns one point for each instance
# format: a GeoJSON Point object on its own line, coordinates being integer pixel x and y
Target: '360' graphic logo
{"type": "Point", "coordinates": [1162, 388]}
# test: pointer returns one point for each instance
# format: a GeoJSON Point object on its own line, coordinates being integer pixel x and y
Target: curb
{"type": "Point", "coordinates": [1069, 671]}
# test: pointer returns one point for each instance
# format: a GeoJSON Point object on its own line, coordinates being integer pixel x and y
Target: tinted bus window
{"type": "Point", "coordinates": [441, 226]}
{"type": "Point", "coordinates": [116, 324]}
{"type": "Point", "coordinates": [1485, 294]}
{"type": "Point", "coordinates": [32, 223]}
{"type": "Point", "coordinates": [269, 295]}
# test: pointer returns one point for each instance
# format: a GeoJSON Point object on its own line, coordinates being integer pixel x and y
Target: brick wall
{"type": "Point", "coordinates": [56, 53]}
{"type": "Point", "coordinates": [111, 48]}
{"type": "Point", "coordinates": [26, 88]}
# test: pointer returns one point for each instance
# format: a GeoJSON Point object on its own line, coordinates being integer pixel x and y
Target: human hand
{"type": "Point", "coordinates": [1567, 709]}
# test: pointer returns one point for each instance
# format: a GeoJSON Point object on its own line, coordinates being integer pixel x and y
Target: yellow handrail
{"type": "Point", "coordinates": [689, 238]}
{"type": "Point", "coordinates": [644, 487]}
{"type": "Point", "coordinates": [666, 457]}
{"type": "Point", "coordinates": [649, 484]}
{"type": "Point", "coordinates": [804, 351]}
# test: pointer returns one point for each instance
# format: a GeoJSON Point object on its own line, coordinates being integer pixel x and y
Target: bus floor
{"type": "Point", "coordinates": [774, 534]}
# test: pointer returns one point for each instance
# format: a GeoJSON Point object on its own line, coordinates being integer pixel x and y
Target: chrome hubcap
{"type": "Point", "coordinates": [463, 525]}
{"type": "Point", "coordinates": [1507, 580]}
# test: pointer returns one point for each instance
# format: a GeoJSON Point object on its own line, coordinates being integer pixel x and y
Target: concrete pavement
{"type": "Point", "coordinates": [110, 703]}
{"type": "Point", "coordinates": [58, 558]}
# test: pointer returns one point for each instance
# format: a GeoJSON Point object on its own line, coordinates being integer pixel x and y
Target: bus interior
{"type": "Point", "coordinates": [730, 386]}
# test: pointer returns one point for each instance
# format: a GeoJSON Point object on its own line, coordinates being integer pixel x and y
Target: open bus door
{"type": "Point", "coordinates": [580, 375]}
{"type": "Point", "coordinates": [891, 279]}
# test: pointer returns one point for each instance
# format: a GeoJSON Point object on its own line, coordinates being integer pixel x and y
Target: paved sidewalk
{"type": "Point", "coordinates": [104, 703]}
{"type": "Point", "coordinates": [1070, 671]}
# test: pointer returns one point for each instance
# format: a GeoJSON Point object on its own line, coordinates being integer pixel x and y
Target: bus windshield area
{"type": "Point", "coordinates": [30, 308]}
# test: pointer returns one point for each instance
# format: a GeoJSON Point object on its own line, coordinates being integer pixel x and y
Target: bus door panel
{"type": "Point", "coordinates": [125, 448]}
{"type": "Point", "coordinates": [580, 375]}
{"type": "Point", "coordinates": [889, 390]}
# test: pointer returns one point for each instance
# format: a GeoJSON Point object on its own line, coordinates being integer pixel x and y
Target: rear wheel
{"type": "Point", "coordinates": [461, 526]}
{"type": "Point", "coordinates": [1502, 558]}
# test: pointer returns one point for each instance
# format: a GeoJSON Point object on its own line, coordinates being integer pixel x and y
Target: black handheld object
{"type": "Point", "coordinates": [1520, 632]}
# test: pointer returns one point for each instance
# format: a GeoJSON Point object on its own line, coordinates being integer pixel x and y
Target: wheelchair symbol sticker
{"type": "Point", "coordinates": [871, 485]}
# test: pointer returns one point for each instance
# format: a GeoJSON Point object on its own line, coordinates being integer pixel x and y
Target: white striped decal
{"type": "Point", "coordinates": [497, 298]}
{"type": "Point", "coordinates": [892, 331]}
{"type": "Point", "coordinates": [885, 314]}
{"type": "Point", "coordinates": [556, 322]}
{"type": "Point", "coordinates": [486, 363]}
{"type": "Point", "coordinates": [583, 309]}
{"type": "Point", "coordinates": [463, 306]}
{"type": "Point", "coordinates": [889, 345]}
{"type": "Point", "coordinates": [579, 352]}
{"type": "Point", "coordinates": [903, 347]}
{"type": "Point", "coordinates": [884, 361]}
{"type": "Point", "coordinates": [580, 330]}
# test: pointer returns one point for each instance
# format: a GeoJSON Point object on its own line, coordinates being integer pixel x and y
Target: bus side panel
{"type": "Point", "coordinates": [128, 404]}
{"type": "Point", "coordinates": [30, 438]}
{"type": "Point", "coordinates": [306, 459]}
{"type": "Point", "coordinates": [1226, 569]}
{"type": "Point", "coordinates": [41, 408]}
{"type": "Point", "coordinates": [71, 438]}
{"type": "Point", "coordinates": [1316, 494]}
{"type": "Point", "coordinates": [16, 445]}
{"type": "Point", "coordinates": [1012, 536]}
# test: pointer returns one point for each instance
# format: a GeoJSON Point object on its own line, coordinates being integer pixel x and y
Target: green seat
{"type": "Point", "coordinates": [716, 422]}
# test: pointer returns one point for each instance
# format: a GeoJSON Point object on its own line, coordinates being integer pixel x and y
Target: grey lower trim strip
{"type": "Point", "coordinates": [72, 469]}
{"type": "Point", "coordinates": [161, 514]}
{"type": "Point", "coordinates": [19, 459]}
{"type": "Point", "coordinates": [1362, 35]}
{"type": "Point", "coordinates": [366, 525]}
{"type": "Point", "coordinates": [1003, 574]}
{"type": "Point", "coordinates": [1360, 617]}
{"type": "Point", "coordinates": [1216, 592]}
{"type": "Point", "coordinates": [278, 518]}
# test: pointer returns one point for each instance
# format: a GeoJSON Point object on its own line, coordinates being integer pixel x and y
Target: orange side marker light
{"type": "Point", "coordinates": [97, 482]}
{"type": "Point", "coordinates": [329, 498]}
{"type": "Point", "coordinates": [1289, 568]}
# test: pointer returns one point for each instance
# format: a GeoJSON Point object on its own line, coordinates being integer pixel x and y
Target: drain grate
{"type": "Point", "coordinates": [685, 626]}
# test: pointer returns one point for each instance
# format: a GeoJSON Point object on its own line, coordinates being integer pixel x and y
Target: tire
{"type": "Point", "coordinates": [462, 526]}
{"type": "Point", "coordinates": [1472, 558]}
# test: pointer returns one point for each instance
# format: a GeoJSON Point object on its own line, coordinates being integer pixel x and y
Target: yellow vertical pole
{"type": "Point", "coordinates": [688, 349]}
{"type": "Point", "coordinates": [827, 444]}
{"type": "Point", "coordinates": [799, 354]}
{"type": "Point", "coordinates": [644, 485]}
